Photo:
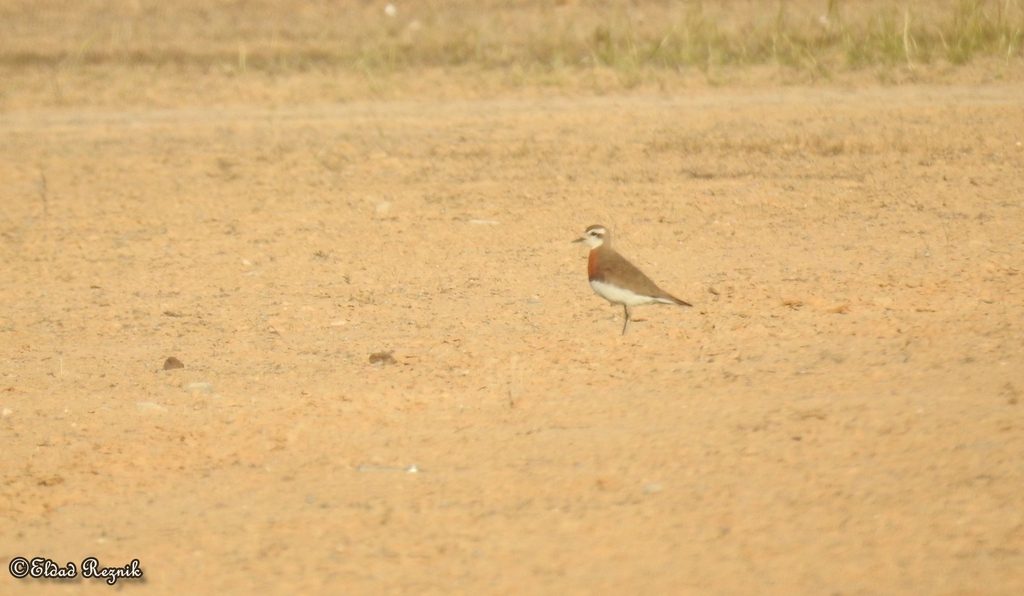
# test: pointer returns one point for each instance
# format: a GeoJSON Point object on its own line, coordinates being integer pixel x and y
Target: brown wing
{"type": "Point", "coordinates": [611, 267]}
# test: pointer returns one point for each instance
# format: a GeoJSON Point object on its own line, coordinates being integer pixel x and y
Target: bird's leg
{"type": "Point", "coordinates": [626, 308]}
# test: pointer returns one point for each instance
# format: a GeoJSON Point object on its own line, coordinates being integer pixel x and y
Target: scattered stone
{"type": "Point", "coordinates": [7, 412]}
{"type": "Point", "coordinates": [172, 363]}
{"type": "Point", "coordinates": [148, 407]}
{"type": "Point", "coordinates": [383, 358]}
{"type": "Point", "coordinates": [652, 488]}
{"type": "Point", "coordinates": [199, 386]}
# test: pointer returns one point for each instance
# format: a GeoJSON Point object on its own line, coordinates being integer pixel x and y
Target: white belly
{"type": "Point", "coordinates": [617, 295]}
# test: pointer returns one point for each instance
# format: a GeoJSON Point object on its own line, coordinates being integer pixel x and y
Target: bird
{"type": "Point", "coordinates": [617, 280]}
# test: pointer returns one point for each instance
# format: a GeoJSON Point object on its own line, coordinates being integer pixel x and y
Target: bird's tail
{"type": "Point", "coordinates": [667, 298]}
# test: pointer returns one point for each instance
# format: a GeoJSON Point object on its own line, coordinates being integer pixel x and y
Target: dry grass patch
{"type": "Point", "coordinates": [819, 38]}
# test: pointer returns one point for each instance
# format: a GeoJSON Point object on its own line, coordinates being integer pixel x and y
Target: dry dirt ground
{"type": "Point", "coordinates": [397, 380]}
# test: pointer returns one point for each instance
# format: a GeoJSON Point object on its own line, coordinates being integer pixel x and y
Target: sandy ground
{"type": "Point", "coordinates": [840, 413]}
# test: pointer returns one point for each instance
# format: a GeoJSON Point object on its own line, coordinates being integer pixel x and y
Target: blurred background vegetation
{"type": "Point", "coordinates": [819, 37]}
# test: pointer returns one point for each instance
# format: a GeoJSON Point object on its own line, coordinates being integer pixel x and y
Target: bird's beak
{"type": "Point", "coordinates": [577, 240]}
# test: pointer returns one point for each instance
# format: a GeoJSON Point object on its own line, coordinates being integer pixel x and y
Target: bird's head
{"type": "Point", "coordinates": [595, 236]}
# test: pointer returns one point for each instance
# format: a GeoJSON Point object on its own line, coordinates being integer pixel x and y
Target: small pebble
{"type": "Point", "coordinates": [7, 412]}
{"type": "Point", "coordinates": [172, 363]}
{"type": "Point", "coordinates": [148, 407]}
{"type": "Point", "coordinates": [200, 386]}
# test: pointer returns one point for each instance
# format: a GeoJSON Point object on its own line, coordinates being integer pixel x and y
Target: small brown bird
{"type": "Point", "coordinates": [617, 280]}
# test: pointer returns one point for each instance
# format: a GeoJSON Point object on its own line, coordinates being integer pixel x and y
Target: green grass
{"type": "Point", "coordinates": [698, 36]}
{"type": "Point", "coordinates": [818, 37]}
